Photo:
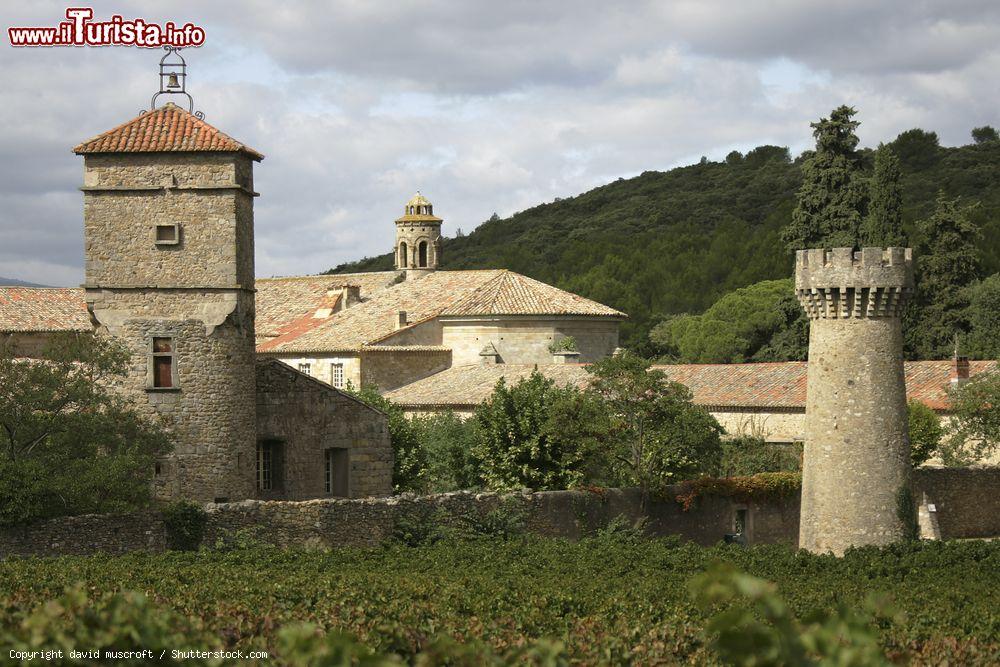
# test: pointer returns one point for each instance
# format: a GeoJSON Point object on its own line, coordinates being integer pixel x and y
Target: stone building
{"type": "Point", "coordinates": [169, 271]}
{"type": "Point", "coordinates": [392, 328]}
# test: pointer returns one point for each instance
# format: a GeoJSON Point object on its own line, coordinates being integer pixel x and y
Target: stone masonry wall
{"type": "Point", "coordinates": [526, 340]}
{"type": "Point", "coordinates": [391, 370]}
{"type": "Point", "coordinates": [308, 417]}
{"type": "Point", "coordinates": [968, 505]}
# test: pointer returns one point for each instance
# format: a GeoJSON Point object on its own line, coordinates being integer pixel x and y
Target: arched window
{"type": "Point", "coordinates": [402, 256]}
{"type": "Point", "coordinates": [422, 254]}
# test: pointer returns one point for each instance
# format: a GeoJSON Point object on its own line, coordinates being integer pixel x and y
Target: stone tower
{"type": "Point", "coordinates": [169, 249]}
{"type": "Point", "coordinates": [857, 452]}
{"type": "Point", "coordinates": [418, 238]}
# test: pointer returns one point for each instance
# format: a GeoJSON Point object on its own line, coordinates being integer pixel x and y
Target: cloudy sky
{"type": "Point", "coordinates": [483, 106]}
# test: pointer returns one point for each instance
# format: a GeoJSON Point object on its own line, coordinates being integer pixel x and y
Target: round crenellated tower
{"type": "Point", "coordinates": [857, 450]}
{"type": "Point", "coordinates": [418, 238]}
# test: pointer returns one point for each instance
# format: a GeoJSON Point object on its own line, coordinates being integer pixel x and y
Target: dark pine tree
{"type": "Point", "coordinates": [948, 265]}
{"type": "Point", "coordinates": [883, 227]}
{"type": "Point", "coordinates": [832, 197]}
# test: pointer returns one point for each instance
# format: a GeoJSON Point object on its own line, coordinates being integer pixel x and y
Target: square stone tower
{"type": "Point", "coordinates": [169, 249]}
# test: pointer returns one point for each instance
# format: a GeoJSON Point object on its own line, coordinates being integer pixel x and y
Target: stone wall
{"type": "Point", "coordinates": [391, 370]}
{"type": "Point", "coordinates": [526, 340]}
{"type": "Point", "coordinates": [308, 418]}
{"type": "Point", "coordinates": [965, 502]}
{"type": "Point", "coordinates": [967, 505]}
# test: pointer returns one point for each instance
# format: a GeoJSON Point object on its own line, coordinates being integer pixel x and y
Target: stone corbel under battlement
{"type": "Point", "coordinates": [105, 312]}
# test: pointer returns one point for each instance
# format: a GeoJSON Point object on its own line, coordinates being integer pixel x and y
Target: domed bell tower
{"type": "Point", "coordinates": [418, 238]}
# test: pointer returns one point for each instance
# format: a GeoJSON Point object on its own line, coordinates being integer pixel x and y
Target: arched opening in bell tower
{"type": "Point", "coordinates": [422, 254]}
{"type": "Point", "coordinates": [403, 259]}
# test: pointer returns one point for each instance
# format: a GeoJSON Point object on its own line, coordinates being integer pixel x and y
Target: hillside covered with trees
{"type": "Point", "coordinates": [669, 243]}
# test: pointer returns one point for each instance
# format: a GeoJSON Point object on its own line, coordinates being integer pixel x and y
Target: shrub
{"type": "Point", "coordinates": [747, 455]}
{"type": "Point", "coordinates": [449, 442]}
{"type": "Point", "coordinates": [81, 447]}
{"type": "Point", "coordinates": [525, 442]}
{"type": "Point", "coordinates": [760, 487]}
{"type": "Point", "coordinates": [925, 431]}
{"type": "Point", "coordinates": [185, 525]}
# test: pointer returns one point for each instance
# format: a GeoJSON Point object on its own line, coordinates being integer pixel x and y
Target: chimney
{"type": "Point", "coordinates": [401, 319]}
{"type": "Point", "coordinates": [959, 371]}
{"type": "Point", "coordinates": [565, 357]}
{"type": "Point", "coordinates": [350, 296]}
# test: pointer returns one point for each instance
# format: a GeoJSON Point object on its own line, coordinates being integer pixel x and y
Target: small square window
{"type": "Point", "coordinates": [168, 234]}
{"type": "Point", "coordinates": [305, 368]}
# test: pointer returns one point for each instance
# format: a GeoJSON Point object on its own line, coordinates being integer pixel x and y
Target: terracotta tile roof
{"type": "Point", "coordinates": [168, 128]}
{"type": "Point", "coordinates": [511, 293]}
{"type": "Point", "coordinates": [42, 309]}
{"type": "Point", "coordinates": [286, 304]}
{"type": "Point", "coordinates": [770, 385]}
{"type": "Point", "coordinates": [757, 387]}
{"type": "Point", "coordinates": [439, 294]}
{"type": "Point", "coordinates": [464, 387]}
{"type": "Point", "coordinates": [783, 384]}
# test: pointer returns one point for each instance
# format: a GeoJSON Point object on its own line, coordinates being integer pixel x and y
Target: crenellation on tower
{"type": "Point", "coordinates": [843, 283]}
{"type": "Point", "coordinates": [857, 451]}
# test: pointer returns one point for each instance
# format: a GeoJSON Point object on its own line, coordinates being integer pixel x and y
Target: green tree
{"type": "Point", "coordinates": [985, 134]}
{"type": "Point", "coordinates": [762, 322]}
{"type": "Point", "coordinates": [917, 150]}
{"type": "Point", "coordinates": [656, 435]}
{"type": "Point", "coordinates": [409, 458]}
{"type": "Point", "coordinates": [925, 432]}
{"type": "Point", "coordinates": [974, 430]}
{"type": "Point", "coordinates": [70, 444]}
{"type": "Point", "coordinates": [450, 443]}
{"type": "Point", "coordinates": [984, 319]}
{"type": "Point", "coordinates": [883, 227]}
{"type": "Point", "coordinates": [525, 440]}
{"type": "Point", "coordinates": [831, 200]}
{"type": "Point", "coordinates": [947, 265]}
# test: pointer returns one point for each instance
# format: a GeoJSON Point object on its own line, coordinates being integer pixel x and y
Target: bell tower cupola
{"type": "Point", "coordinates": [418, 238]}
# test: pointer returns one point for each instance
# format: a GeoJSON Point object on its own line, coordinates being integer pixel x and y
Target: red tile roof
{"type": "Point", "coordinates": [167, 129]}
{"type": "Point", "coordinates": [759, 387]}
{"type": "Point", "coordinates": [42, 309]}
{"type": "Point", "coordinates": [783, 384]}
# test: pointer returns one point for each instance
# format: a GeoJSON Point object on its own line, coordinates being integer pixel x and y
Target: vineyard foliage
{"type": "Point", "coordinates": [609, 599]}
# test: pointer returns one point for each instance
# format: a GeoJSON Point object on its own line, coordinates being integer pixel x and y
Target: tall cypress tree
{"type": "Point", "coordinates": [832, 196]}
{"type": "Point", "coordinates": [948, 264]}
{"type": "Point", "coordinates": [883, 226]}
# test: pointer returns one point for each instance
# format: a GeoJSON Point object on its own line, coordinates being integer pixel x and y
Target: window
{"type": "Point", "coordinates": [337, 375]}
{"type": "Point", "coordinates": [423, 254]}
{"type": "Point", "coordinates": [305, 368]}
{"type": "Point", "coordinates": [162, 363]}
{"type": "Point", "coordinates": [337, 472]}
{"type": "Point", "coordinates": [168, 234]}
{"type": "Point", "coordinates": [402, 255]}
{"type": "Point", "coordinates": [269, 465]}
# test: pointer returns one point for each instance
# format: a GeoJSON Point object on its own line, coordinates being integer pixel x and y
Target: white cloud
{"type": "Point", "coordinates": [483, 107]}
